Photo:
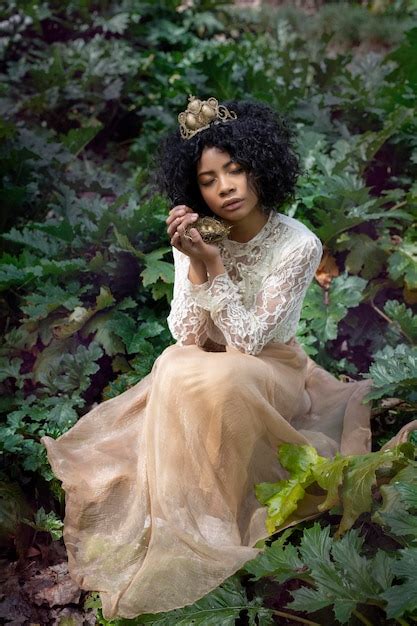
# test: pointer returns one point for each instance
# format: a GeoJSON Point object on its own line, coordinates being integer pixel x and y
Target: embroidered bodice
{"type": "Point", "coordinates": [258, 298]}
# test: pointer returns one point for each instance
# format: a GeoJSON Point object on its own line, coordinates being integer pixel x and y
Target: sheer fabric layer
{"type": "Point", "coordinates": [159, 481]}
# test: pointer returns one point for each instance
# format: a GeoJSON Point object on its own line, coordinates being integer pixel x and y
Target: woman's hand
{"type": "Point", "coordinates": [180, 217]}
{"type": "Point", "coordinates": [176, 217]}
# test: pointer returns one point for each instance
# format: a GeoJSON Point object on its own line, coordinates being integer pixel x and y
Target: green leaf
{"type": "Point", "coordinates": [80, 315]}
{"type": "Point", "coordinates": [402, 598]}
{"type": "Point", "coordinates": [356, 568]}
{"type": "Point", "coordinates": [345, 292]}
{"type": "Point", "coordinates": [48, 297]}
{"type": "Point", "coordinates": [408, 493]}
{"type": "Point", "coordinates": [399, 496]}
{"type": "Point", "coordinates": [360, 478]}
{"type": "Point", "coordinates": [62, 230]}
{"type": "Point", "coordinates": [104, 299]}
{"type": "Point", "coordinates": [278, 560]}
{"type": "Point", "coordinates": [34, 239]}
{"type": "Point", "coordinates": [60, 268]}
{"type": "Point", "coordinates": [221, 607]}
{"type": "Point", "coordinates": [315, 544]}
{"type": "Point", "coordinates": [309, 600]}
{"type": "Point", "coordinates": [157, 270]}
{"type": "Point", "coordinates": [341, 575]}
{"type": "Point", "coordinates": [305, 337]}
{"type": "Point", "coordinates": [394, 372]}
{"type": "Point", "coordinates": [62, 414]}
{"type": "Point", "coordinates": [404, 57]}
{"type": "Point", "coordinates": [403, 263]}
{"type": "Point", "coordinates": [124, 326]}
{"type": "Point", "coordinates": [77, 138]}
{"type": "Point", "coordinates": [67, 372]}
{"type": "Point", "coordinates": [403, 316]}
{"type": "Point", "coordinates": [162, 290]}
{"type": "Point", "coordinates": [115, 24]}
{"type": "Point", "coordinates": [350, 479]}
{"type": "Point", "coordinates": [125, 244]}
{"type": "Point", "coordinates": [365, 256]}
{"type": "Point", "coordinates": [138, 342]}
{"type": "Point", "coordinates": [102, 326]}
{"type": "Point", "coordinates": [47, 522]}
{"type": "Point", "coordinates": [299, 461]}
{"type": "Point", "coordinates": [10, 368]}
{"type": "Point", "coordinates": [329, 475]}
{"type": "Point", "coordinates": [284, 502]}
{"type": "Point", "coordinates": [401, 523]}
{"type": "Point", "coordinates": [11, 275]}
{"type": "Point", "coordinates": [371, 141]}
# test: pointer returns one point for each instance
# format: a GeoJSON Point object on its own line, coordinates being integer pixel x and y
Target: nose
{"type": "Point", "coordinates": [226, 185]}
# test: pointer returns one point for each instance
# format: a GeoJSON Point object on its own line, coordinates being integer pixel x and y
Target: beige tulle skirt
{"type": "Point", "coordinates": [159, 481]}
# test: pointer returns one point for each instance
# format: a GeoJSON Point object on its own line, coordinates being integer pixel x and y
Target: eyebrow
{"type": "Point", "coordinates": [212, 172]}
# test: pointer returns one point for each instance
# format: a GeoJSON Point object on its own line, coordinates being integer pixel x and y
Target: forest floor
{"type": "Point", "coordinates": [38, 590]}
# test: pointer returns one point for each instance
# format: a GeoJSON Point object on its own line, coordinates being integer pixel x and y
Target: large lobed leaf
{"type": "Point", "coordinates": [399, 506]}
{"type": "Point", "coordinates": [339, 575]}
{"type": "Point", "coordinates": [361, 478]}
{"type": "Point", "coordinates": [402, 264]}
{"type": "Point", "coordinates": [282, 497]}
{"type": "Point", "coordinates": [221, 607]}
{"type": "Point", "coordinates": [403, 597]}
{"type": "Point", "coordinates": [343, 578]}
{"type": "Point", "coordinates": [394, 372]}
{"type": "Point", "coordinates": [404, 318]}
{"type": "Point", "coordinates": [323, 317]}
{"type": "Point", "coordinates": [348, 480]}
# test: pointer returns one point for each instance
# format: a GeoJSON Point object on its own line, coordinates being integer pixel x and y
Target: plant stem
{"type": "Point", "coordinates": [390, 321]}
{"type": "Point", "coordinates": [398, 205]}
{"type": "Point", "coordinates": [361, 618]}
{"type": "Point", "coordinates": [295, 618]}
{"type": "Point", "coordinates": [402, 621]}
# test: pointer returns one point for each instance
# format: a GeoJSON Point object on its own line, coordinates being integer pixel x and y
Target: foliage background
{"type": "Point", "coordinates": [86, 91]}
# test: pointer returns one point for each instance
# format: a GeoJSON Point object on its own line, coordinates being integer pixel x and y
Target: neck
{"type": "Point", "coordinates": [244, 230]}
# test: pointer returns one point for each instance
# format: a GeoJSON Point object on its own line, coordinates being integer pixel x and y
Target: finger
{"type": "Point", "coordinates": [172, 228]}
{"type": "Point", "coordinates": [176, 242]}
{"type": "Point", "coordinates": [174, 214]}
{"type": "Point", "coordinates": [181, 209]}
{"type": "Point", "coordinates": [186, 220]}
{"type": "Point", "coordinates": [195, 235]}
{"type": "Point", "coordinates": [190, 241]}
{"type": "Point", "coordinates": [182, 220]}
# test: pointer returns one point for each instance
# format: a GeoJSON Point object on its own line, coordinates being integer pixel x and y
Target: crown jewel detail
{"type": "Point", "coordinates": [199, 114]}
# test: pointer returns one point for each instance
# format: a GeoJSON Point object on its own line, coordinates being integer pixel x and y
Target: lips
{"type": "Point", "coordinates": [232, 203]}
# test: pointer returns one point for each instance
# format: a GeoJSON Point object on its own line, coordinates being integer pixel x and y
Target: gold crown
{"type": "Point", "coordinates": [200, 114]}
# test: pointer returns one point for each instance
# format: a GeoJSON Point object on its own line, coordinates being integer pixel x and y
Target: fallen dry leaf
{"type": "Point", "coordinates": [53, 586]}
{"type": "Point", "coordinates": [327, 270]}
{"type": "Point", "coordinates": [15, 609]}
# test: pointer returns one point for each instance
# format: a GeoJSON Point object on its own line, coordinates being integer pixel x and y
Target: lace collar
{"type": "Point", "coordinates": [261, 235]}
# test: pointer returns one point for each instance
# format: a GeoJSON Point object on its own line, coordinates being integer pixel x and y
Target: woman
{"type": "Point", "coordinates": [159, 481]}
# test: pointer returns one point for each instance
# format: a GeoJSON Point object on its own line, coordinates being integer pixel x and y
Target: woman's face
{"type": "Point", "coordinates": [221, 181]}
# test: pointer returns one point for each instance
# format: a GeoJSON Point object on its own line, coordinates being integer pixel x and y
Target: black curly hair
{"type": "Point", "coordinates": [260, 140]}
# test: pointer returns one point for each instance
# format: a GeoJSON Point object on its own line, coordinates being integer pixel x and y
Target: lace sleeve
{"type": "Point", "coordinates": [281, 294]}
{"type": "Point", "coordinates": [187, 320]}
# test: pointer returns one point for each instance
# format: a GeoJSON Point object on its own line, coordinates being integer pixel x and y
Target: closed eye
{"type": "Point", "coordinates": [237, 171]}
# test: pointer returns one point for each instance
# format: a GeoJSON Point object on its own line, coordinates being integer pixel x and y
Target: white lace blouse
{"type": "Point", "coordinates": [258, 298]}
